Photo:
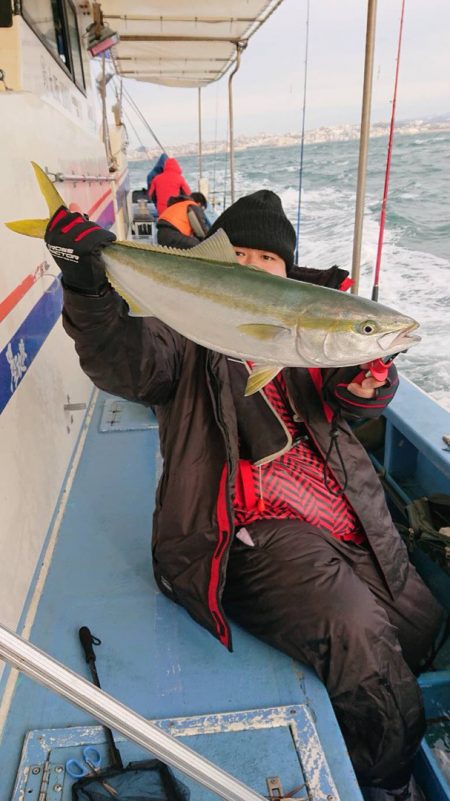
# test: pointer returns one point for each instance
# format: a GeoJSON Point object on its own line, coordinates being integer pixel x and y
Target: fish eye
{"type": "Point", "coordinates": [368, 327]}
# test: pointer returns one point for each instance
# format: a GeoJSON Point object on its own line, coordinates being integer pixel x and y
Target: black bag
{"type": "Point", "coordinates": [429, 527]}
{"type": "Point", "coordinates": [147, 780]}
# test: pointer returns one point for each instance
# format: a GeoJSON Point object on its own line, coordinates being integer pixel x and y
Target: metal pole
{"type": "Point", "coordinates": [47, 671]}
{"type": "Point", "coordinates": [230, 118]}
{"type": "Point", "coordinates": [200, 166]}
{"type": "Point", "coordinates": [363, 142]}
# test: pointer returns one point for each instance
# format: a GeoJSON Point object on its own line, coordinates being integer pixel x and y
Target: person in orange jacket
{"type": "Point", "coordinates": [183, 224]}
{"type": "Point", "coordinates": [169, 183]}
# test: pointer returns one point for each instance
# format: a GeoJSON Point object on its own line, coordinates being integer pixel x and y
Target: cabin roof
{"type": "Point", "coordinates": [180, 44]}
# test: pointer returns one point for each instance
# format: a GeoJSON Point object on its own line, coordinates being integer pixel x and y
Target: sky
{"type": "Point", "coordinates": [268, 89]}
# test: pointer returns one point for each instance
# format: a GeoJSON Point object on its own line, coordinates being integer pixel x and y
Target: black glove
{"type": "Point", "coordinates": [356, 406]}
{"type": "Point", "coordinates": [75, 244]}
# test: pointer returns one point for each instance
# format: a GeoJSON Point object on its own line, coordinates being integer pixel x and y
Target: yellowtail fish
{"type": "Point", "coordinates": [243, 312]}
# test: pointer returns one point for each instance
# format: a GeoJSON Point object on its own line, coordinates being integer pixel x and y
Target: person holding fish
{"type": "Point", "coordinates": [268, 509]}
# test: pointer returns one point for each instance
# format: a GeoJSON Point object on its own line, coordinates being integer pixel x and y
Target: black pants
{"type": "Point", "coordinates": [325, 603]}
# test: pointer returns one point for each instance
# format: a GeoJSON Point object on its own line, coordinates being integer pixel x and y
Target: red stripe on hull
{"type": "Point", "coordinates": [16, 295]}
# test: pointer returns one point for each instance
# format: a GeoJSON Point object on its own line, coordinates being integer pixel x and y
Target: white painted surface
{"type": "Point", "coordinates": [47, 119]}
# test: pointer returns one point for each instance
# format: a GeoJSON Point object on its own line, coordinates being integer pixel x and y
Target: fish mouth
{"type": "Point", "coordinates": [395, 341]}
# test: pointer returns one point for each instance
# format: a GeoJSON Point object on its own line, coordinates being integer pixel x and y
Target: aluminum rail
{"type": "Point", "coordinates": [363, 143]}
{"type": "Point", "coordinates": [200, 154]}
{"type": "Point", "coordinates": [60, 177]}
{"type": "Point", "coordinates": [52, 674]}
{"type": "Point", "coordinates": [239, 47]}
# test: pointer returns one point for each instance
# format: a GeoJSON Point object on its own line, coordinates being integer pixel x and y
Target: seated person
{"type": "Point", "coordinates": [183, 224]}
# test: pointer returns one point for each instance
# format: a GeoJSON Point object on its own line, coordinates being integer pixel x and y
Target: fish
{"type": "Point", "coordinates": [242, 311]}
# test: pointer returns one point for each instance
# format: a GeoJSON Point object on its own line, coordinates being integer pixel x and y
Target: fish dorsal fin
{"type": "Point", "coordinates": [215, 248]}
{"type": "Point", "coordinates": [260, 375]}
{"type": "Point", "coordinates": [53, 200]}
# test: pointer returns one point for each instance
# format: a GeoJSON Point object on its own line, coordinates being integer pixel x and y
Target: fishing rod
{"type": "Point", "coordinates": [388, 166]}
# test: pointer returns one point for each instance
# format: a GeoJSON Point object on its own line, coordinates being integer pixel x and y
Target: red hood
{"type": "Point", "coordinates": [172, 165]}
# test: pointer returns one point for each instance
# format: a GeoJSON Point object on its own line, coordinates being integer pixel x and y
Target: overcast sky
{"type": "Point", "coordinates": [268, 89]}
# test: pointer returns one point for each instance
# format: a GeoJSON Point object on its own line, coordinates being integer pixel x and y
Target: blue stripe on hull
{"type": "Point", "coordinates": [20, 352]}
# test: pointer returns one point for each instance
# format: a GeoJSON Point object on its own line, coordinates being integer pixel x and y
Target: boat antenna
{"type": "Point", "coordinates": [302, 141]}
{"type": "Point", "coordinates": [376, 282]}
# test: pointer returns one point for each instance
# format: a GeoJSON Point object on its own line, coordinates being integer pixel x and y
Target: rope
{"type": "Point", "coordinates": [388, 166]}
{"type": "Point", "coordinates": [302, 144]}
{"type": "Point", "coordinates": [140, 114]}
{"type": "Point", "coordinates": [137, 109]}
{"type": "Point", "coordinates": [150, 158]}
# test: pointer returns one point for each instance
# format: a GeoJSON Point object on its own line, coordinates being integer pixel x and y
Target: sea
{"type": "Point", "coordinates": [415, 266]}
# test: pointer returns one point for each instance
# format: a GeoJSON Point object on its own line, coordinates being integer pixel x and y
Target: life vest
{"type": "Point", "coordinates": [177, 215]}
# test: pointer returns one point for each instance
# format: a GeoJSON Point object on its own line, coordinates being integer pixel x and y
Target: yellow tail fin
{"type": "Point", "coordinates": [52, 198]}
{"type": "Point", "coordinates": [28, 227]}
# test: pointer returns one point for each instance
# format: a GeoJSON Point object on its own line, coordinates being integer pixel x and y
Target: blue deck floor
{"type": "Point", "coordinates": [153, 657]}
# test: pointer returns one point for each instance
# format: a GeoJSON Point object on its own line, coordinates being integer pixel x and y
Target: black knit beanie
{"type": "Point", "coordinates": [258, 221]}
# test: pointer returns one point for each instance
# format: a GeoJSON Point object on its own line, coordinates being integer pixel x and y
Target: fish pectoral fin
{"type": "Point", "coordinates": [263, 331]}
{"type": "Point", "coordinates": [215, 248]}
{"type": "Point", "coordinates": [35, 228]}
{"type": "Point", "coordinates": [261, 375]}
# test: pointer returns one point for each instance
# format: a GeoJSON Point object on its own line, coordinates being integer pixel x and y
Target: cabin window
{"type": "Point", "coordinates": [74, 46]}
{"type": "Point", "coordinates": [6, 16]}
{"type": "Point", "coordinates": [55, 22]}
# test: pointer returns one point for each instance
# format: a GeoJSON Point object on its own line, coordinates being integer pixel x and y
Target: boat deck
{"type": "Point", "coordinates": [153, 657]}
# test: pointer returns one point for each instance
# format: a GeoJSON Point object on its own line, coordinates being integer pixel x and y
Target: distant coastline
{"type": "Point", "coordinates": [339, 133]}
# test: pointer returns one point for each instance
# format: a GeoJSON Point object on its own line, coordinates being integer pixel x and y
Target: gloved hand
{"type": "Point", "coordinates": [75, 243]}
{"type": "Point", "coordinates": [364, 395]}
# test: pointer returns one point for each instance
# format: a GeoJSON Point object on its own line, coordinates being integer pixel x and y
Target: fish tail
{"type": "Point", "coordinates": [53, 199]}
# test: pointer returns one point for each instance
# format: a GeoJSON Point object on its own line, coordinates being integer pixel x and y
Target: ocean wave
{"type": "Point", "coordinates": [415, 263]}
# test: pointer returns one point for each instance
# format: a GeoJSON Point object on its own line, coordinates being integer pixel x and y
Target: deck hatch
{"type": "Point", "coordinates": [251, 744]}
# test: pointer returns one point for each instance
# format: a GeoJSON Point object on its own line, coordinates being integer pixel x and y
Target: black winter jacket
{"type": "Point", "coordinates": [144, 360]}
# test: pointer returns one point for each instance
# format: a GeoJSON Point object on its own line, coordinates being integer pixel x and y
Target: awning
{"type": "Point", "coordinates": [179, 43]}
